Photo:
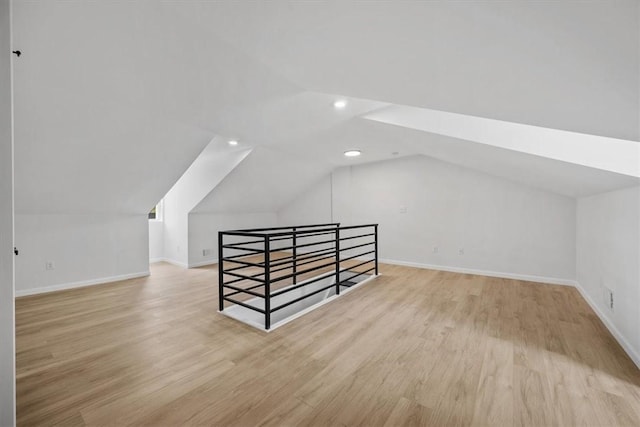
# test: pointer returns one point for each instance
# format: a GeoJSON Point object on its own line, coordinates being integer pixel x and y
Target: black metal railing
{"type": "Point", "coordinates": [265, 263]}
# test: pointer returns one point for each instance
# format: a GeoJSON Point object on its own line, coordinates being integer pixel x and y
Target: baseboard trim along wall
{"type": "Point", "coordinates": [203, 263]}
{"type": "Point", "coordinates": [528, 278]}
{"type": "Point", "coordinates": [80, 284]}
{"type": "Point", "coordinates": [170, 261]}
{"type": "Point", "coordinates": [183, 265]}
{"type": "Point", "coordinates": [631, 352]}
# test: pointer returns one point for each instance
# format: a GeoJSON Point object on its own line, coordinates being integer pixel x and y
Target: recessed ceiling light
{"type": "Point", "coordinates": [352, 153]}
{"type": "Point", "coordinates": [340, 104]}
{"type": "Point", "coordinates": [233, 142]}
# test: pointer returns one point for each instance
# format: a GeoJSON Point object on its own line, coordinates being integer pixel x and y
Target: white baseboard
{"type": "Point", "coordinates": [183, 265]}
{"type": "Point", "coordinates": [203, 263]}
{"type": "Point", "coordinates": [525, 277]}
{"type": "Point", "coordinates": [170, 261]}
{"type": "Point", "coordinates": [80, 284]}
{"type": "Point", "coordinates": [633, 354]}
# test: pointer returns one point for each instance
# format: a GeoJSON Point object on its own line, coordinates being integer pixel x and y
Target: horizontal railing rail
{"type": "Point", "coordinates": [264, 263]}
{"type": "Point", "coordinates": [269, 230]}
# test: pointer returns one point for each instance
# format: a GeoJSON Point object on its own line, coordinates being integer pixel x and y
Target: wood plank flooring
{"type": "Point", "coordinates": [413, 347]}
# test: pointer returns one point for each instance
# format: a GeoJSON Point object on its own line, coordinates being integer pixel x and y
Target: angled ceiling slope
{"type": "Point", "coordinates": [570, 65]}
{"type": "Point", "coordinates": [555, 176]}
{"type": "Point", "coordinates": [264, 181]}
{"type": "Point", "coordinates": [563, 162]}
{"type": "Point", "coordinates": [211, 167]}
{"type": "Point", "coordinates": [126, 103]}
{"type": "Point", "coordinates": [135, 90]}
{"type": "Point", "coordinates": [609, 154]}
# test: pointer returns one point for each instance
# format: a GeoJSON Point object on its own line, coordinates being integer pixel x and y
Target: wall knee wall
{"type": "Point", "coordinates": [430, 210]}
{"type": "Point", "coordinates": [85, 249]}
{"type": "Point", "coordinates": [608, 258]}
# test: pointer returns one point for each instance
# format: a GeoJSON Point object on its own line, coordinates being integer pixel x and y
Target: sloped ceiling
{"type": "Point", "coordinates": [204, 174]}
{"type": "Point", "coordinates": [114, 100]}
{"type": "Point", "coordinates": [565, 178]}
{"type": "Point", "coordinates": [569, 65]}
{"type": "Point", "coordinates": [263, 182]}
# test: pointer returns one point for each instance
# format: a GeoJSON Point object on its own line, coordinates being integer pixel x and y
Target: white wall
{"type": "Point", "coordinates": [7, 319]}
{"type": "Point", "coordinates": [313, 206]}
{"type": "Point", "coordinates": [608, 255]}
{"type": "Point", "coordinates": [206, 172]}
{"type": "Point", "coordinates": [156, 241]}
{"type": "Point", "coordinates": [204, 227]}
{"type": "Point", "coordinates": [175, 236]}
{"type": "Point", "coordinates": [503, 227]}
{"type": "Point", "coordinates": [85, 249]}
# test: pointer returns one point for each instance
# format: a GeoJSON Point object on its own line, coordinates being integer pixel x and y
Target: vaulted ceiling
{"type": "Point", "coordinates": [114, 100]}
{"type": "Point", "coordinates": [563, 65]}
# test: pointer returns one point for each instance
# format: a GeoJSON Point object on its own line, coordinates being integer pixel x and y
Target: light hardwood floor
{"type": "Point", "coordinates": [413, 347]}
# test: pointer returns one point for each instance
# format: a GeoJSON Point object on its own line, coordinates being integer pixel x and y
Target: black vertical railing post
{"type": "Point", "coordinates": [337, 261]}
{"type": "Point", "coordinates": [376, 246]}
{"type": "Point", "coordinates": [220, 273]}
{"type": "Point", "coordinates": [267, 283]}
{"type": "Point", "coordinates": [295, 255]}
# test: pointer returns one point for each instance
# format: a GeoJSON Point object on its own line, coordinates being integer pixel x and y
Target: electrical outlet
{"type": "Point", "coordinates": [49, 265]}
{"type": "Point", "coordinates": [611, 300]}
{"type": "Point", "coordinates": [436, 249]}
{"type": "Point", "coordinates": [461, 251]}
{"type": "Point", "coordinates": [206, 252]}
{"type": "Point", "coordinates": [608, 298]}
